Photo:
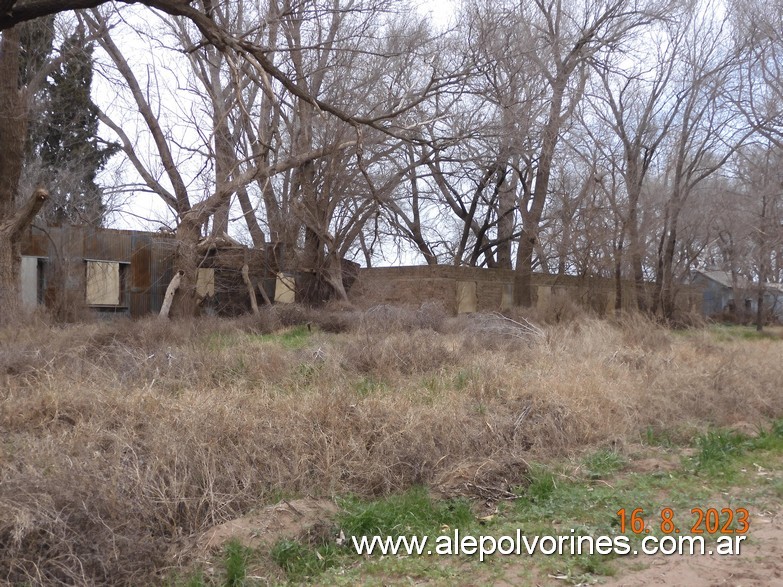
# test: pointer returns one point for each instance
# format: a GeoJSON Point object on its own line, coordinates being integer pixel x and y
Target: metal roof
{"type": "Point", "coordinates": [724, 278]}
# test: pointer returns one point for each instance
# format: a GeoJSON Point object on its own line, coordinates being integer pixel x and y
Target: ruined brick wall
{"type": "Point", "coordinates": [416, 285]}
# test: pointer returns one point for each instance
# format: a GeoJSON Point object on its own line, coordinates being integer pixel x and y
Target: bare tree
{"type": "Point", "coordinates": [706, 133]}
{"type": "Point", "coordinates": [639, 104]}
{"type": "Point", "coordinates": [565, 39]}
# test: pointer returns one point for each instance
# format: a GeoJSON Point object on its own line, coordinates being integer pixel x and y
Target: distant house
{"type": "Point", "coordinates": [720, 298]}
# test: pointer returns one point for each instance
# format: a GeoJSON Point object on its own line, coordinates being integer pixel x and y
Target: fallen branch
{"type": "Point", "coordinates": [250, 289]}
{"type": "Point", "coordinates": [170, 291]}
{"type": "Point", "coordinates": [265, 297]}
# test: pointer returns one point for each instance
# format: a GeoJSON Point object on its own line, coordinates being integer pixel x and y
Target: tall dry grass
{"type": "Point", "coordinates": [121, 440]}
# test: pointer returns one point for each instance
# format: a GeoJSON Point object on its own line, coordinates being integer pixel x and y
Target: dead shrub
{"type": "Point", "coordinates": [293, 314]}
{"type": "Point", "coordinates": [337, 321]}
{"type": "Point", "coordinates": [639, 330]}
{"type": "Point", "coordinates": [417, 352]}
{"type": "Point", "coordinates": [687, 319]}
{"type": "Point", "coordinates": [72, 528]}
{"type": "Point", "coordinates": [494, 332]}
{"type": "Point", "coordinates": [266, 322]}
{"type": "Point", "coordinates": [386, 318]}
{"type": "Point", "coordinates": [432, 316]}
{"type": "Point", "coordinates": [561, 307]}
{"type": "Point", "coordinates": [485, 480]}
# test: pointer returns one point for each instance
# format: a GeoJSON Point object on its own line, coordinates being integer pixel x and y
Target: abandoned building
{"type": "Point", "coordinates": [725, 296]}
{"type": "Point", "coordinates": [127, 271]}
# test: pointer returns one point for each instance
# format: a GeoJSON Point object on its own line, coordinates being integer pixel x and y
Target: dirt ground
{"type": "Point", "coordinates": [759, 564]}
{"type": "Point", "coordinates": [287, 519]}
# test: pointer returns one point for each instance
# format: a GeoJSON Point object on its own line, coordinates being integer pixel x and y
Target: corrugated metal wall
{"type": "Point", "coordinates": [148, 258]}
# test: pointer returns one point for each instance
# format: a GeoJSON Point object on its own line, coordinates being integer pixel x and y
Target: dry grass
{"type": "Point", "coordinates": [120, 440]}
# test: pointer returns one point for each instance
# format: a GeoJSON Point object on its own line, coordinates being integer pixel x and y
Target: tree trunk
{"type": "Point", "coordinates": [523, 280]}
{"type": "Point", "coordinates": [250, 218]}
{"type": "Point", "coordinates": [334, 276]}
{"type": "Point", "coordinates": [618, 278]}
{"type": "Point", "coordinates": [506, 206]}
{"type": "Point", "coordinates": [523, 284]}
{"type": "Point", "coordinates": [760, 308]}
{"type": "Point", "coordinates": [250, 289]}
{"type": "Point", "coordinates": [186, 261]}
{"type": "Point", "coordinates": [13, 130]}
{"type": "Point", "coordinates": [13, 134]}
{"type": "Point", "coordinates": [10, 263]}
{"type": "Point", "coordinates": [636, 251]}
{"type": "Point", "coordinates": [664, 286]}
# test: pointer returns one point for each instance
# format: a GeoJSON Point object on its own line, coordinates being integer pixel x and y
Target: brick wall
{"type": "Point", "coordinates": [415, 285]}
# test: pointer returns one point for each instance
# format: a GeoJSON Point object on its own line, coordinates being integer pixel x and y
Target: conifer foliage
{"type": "Point", "coordinates": [63, 150]}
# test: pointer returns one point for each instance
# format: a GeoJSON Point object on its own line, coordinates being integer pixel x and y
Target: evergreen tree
{"type": "Point", "coordinates": [64, 152]}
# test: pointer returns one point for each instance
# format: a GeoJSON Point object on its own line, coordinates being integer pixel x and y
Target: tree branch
{"type": "Point", "coordinates": [12, 13]}
{"type": "Point", "coordinates": [24, 216]}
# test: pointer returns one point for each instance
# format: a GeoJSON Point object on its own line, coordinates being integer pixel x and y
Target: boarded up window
{"type": "Point", "coordinates": [103, 283]}
{"type": "Point", "coordinates": [610, 303]}
{"type": "Point", "coordinates": [30, 278]}
{"type": "Point", "coordinates": [205, 282]}
{"type": "Point", "coordinates": [466, 297]}
{"type": "Point", "coordinates": [285, 290]}
{"type": "Point", "coordinates": [544, 297]}
{"type": "Point", "coordinates": [507, 296]}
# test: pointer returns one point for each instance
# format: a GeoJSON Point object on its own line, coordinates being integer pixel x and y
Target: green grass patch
{"type": "Point", "coordinates": [412, 512]}
{"type": "Point", "coordinates": [294, 338]}
{"type": "Point", "coordinates": [730, 332]}
{"type": "Point", "coordinates": [367, 386]}
{"type": "Point", "coordinates": [603, 463]}
{"type": "Point", "coordinates": [655, 437]}
{"type": "Point", "coordinates": [769, 438]}
{"type": "Point", "coordinates": [235, 559]}
{"type": "Point", "coordinates": [218, 341]}
{"type": "Point", "coordinates": [716, 447]}
{"type": "Point", "coordinates": [541, 484]}
{"type": "Point", "coordinates": [463, 378]}
{"type": "Point", "coordinates": [196, 579]}
{"type": "Point", "coordinates": [302, 561]}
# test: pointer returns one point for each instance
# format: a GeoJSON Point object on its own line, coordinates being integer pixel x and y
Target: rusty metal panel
{"type": "Point", "coordinates": [109, 245]}
{"type": "Point", "coordinates": [141, 262]}
{"type": "Point", "coordinates": [140, 274]}
{"type": "Point", "coordinates": [35, 243]}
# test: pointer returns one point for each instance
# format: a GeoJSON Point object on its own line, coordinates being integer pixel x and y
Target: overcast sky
{"type": "Point", "coordinates": [163, 71]}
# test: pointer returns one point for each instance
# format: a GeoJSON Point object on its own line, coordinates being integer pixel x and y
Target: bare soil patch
{"type": "Point", "coordinates": [287, 519]}
{"type": "Point", "coordinates": [760, 563]}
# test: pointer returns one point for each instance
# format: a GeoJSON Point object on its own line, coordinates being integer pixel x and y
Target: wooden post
{"type": "Point", "coordinates": [267, 301]}
{"type": "Point", "coordinates": [170, 291]}
{"type": "Point", "coordinates": [250, 289]}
